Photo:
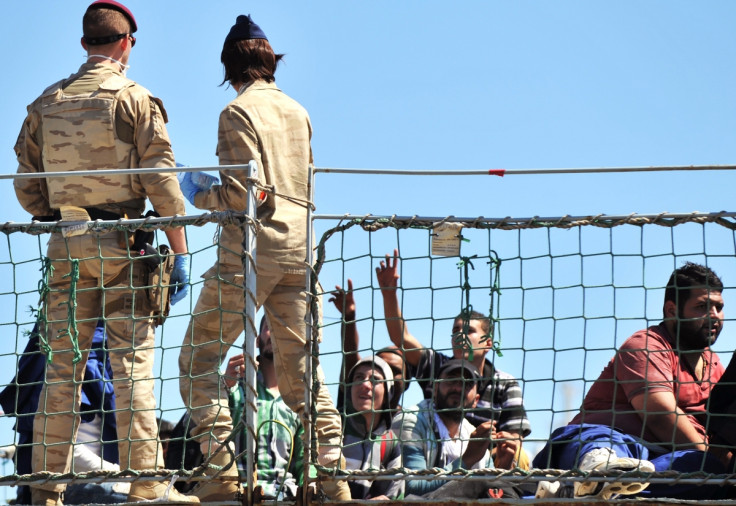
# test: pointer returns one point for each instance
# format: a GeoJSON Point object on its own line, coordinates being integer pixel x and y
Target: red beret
{"type": "Point", "coordinates": [112, 4]}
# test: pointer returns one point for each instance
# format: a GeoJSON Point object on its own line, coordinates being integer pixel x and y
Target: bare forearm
{"type": "Point", "coordinates": [350, 342]}
{"type": "Point", "coordinates": [398, 331]}
{"type": "Point", "coordinates": [666, 421]}
{"type": "Point", "coordinates": [177, 239]}
{"type": "Point", "coordinates": [676, 429]}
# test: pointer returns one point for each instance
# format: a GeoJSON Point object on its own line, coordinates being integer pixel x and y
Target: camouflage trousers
{"type": "Point", "coordinates": [216, 323]}
{"type": "Point", "coordinates": [103, 260]}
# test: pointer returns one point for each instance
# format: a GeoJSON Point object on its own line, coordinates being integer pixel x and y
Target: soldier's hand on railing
{"type": "Point", "coordinates": [192, 183]}
{"type": "Point", "coordinates": [179, 278]}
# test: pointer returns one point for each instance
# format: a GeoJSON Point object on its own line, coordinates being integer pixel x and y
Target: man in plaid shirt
{"type": "Point", "coordinates": [280, 451]}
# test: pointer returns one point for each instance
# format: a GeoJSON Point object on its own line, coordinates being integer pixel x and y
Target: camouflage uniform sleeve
{"type": "Point", "coordinates": [32, 194]}
{"type": "Point", "coordinates": [147, 116]}
{"type": "Point", "coordinates": [237, 143]}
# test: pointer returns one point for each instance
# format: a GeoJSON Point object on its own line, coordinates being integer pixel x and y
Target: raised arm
{"type": "Point", "coordinates": [345, 304]}
{"type": "Point", "coordinates": [388, 279]}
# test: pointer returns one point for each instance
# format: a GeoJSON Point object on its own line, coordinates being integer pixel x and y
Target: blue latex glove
{"type": "Point", "coordinates": [192, 183]}
{"type": "Point", "coordinates": [188, 187]}
{"type": "Point", "coordinates": [179, 278]}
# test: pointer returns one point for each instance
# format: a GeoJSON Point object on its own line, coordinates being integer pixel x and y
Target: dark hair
{"type": "Point", "coordinates": [485, 322]}
{"type": "Point", "coordinates": [103, 22]}
{"type": "Point", "coordinates": [249, 60]}
{"type": "Point", "coordinates": [690, 276]}
{"type": "Point", "coordinates": [263, 323]}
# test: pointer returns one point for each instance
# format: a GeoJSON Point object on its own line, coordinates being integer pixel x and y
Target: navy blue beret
{"type": "Point", "coordinates": [244, 29]}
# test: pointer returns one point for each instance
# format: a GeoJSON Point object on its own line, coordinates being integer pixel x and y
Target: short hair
{"type": "Point", "coordinates": [690, 276]}
{"type": "Point", "coordinates": [249, 60]}
{"type": "Point", "coordinates": [263, 323]}
{"type": "Point", "coordinates": [103, 22]}
{"type": "Point", "coordinates": [485, 322]}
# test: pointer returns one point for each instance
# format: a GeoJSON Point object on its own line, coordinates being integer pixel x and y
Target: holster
{"type": "Point", "coordinates": [152, 276]}
{"type": "Point", "coordinates": [161, 265]}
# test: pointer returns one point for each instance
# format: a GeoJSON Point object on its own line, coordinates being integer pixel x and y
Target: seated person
{"type": "Point", "coordinates": [95, 447]}
{"type": "Point", "coordinates": [369, 443]}
{"type": "Point", "coordinates": [437, 433]}
{"type": "Point", "coordinates": [392, 355]}
{"type": "Point", "coordinates": [280, 460]}
{"type": "Point", "coordinates": [647, 409]}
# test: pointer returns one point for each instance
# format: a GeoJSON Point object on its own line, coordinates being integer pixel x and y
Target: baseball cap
{"type": "Point", "coordinates": [459, 363]}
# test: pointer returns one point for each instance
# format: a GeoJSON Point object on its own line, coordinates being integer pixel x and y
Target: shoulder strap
{"type": "Point", "coordinates": [53, 89]}
{"type": "Point", "coordinates": [116, 83]}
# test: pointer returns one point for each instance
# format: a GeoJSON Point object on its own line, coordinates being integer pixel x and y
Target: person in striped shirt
{"type": "Point", "coordinates": [500, 393]}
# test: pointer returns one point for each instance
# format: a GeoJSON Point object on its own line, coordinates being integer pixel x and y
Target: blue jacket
{"type": "Point", "coordinates": [20, 396]}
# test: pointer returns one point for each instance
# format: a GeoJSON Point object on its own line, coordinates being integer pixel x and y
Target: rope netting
{"type": "Point", "coordinates": [36, 340]}
{"type": "Point", "coordinates": [560, 294]}
{"type": "Point", "coordinates": [547, 301]}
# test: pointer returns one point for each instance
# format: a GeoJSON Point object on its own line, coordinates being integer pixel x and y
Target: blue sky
{"type": "Point", "coordinates": [436, 85]}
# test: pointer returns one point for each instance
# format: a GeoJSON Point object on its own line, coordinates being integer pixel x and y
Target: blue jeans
{"type": "Point", "coordinates": [567, 446]}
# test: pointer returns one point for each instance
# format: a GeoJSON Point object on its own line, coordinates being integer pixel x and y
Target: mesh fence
{"type": "Point", "coordinates": [99, 329]}
{"type": "Point", "coordinates": [560, 294]}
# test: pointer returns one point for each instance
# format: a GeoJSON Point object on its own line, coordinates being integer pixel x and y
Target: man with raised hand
{"type": "Point", "coordinates": [98, 119]}
{"type": "Point", "coordinates": [370, 444]}
{"type": "Point", "coordinates": [263, 124]}
{"type": "Point", "coordinates": [344, 302]}
{"type": "Point", "coordinates": [647, 409]}
{"type": "Point", "coordinates": [500, 393]}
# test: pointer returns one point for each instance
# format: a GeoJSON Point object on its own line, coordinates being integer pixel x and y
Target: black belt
{"type": "Point", "coordinates": [94, 214]}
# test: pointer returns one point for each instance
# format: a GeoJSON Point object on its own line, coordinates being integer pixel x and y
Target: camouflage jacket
{"type": "Point", "coordinates": [96, 119]}
{"type": "Point", "coordinates": [265, 125]}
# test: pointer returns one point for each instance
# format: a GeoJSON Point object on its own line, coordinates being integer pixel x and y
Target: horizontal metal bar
{"type": "Point", "coordinates": [519, 172]}
{"type": "Point", "coordinates": [118, 172]}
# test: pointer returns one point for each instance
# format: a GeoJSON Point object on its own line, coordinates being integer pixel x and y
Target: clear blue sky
{"type": "Point", "coordinates": [437, 85]}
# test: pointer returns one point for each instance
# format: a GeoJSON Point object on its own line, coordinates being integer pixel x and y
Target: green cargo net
{"type": "Point", "coordinates": [560, 294]}
{"type": "Point", "coordinates": [54, 326]}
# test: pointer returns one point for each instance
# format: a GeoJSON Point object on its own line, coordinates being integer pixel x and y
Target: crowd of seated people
{"type": "Point", "coordinates": [648, 411]}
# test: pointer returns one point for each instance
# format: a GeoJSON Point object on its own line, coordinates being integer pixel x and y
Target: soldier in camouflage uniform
{"type": "Point", "coordinates": [98, 119]}
{"type": "Point", "coordinates": [265, 125]}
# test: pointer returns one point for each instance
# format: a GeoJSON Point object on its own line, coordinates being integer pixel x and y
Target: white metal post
{"type": "Point", "coordinates": [309, 326]}
{"type": "Point", "coordinates": [251, 332]}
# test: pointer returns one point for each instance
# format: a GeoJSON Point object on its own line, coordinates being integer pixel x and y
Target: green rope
{"type": "Point", "coordinates": [460, 339]}
{"type": "Point", "coordinates": [495, 263]}
{"type": "Point", "coordinates": [71, 329]}
{"type": "Point", "coordinates": [47, 270]}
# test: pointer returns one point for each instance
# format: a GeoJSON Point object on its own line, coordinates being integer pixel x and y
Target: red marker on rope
{"type": "Point", "coordinates": [497, 172]}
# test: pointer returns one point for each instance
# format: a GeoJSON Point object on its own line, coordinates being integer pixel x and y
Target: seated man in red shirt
{"type": "Point", "coordinates": [647, 409]}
